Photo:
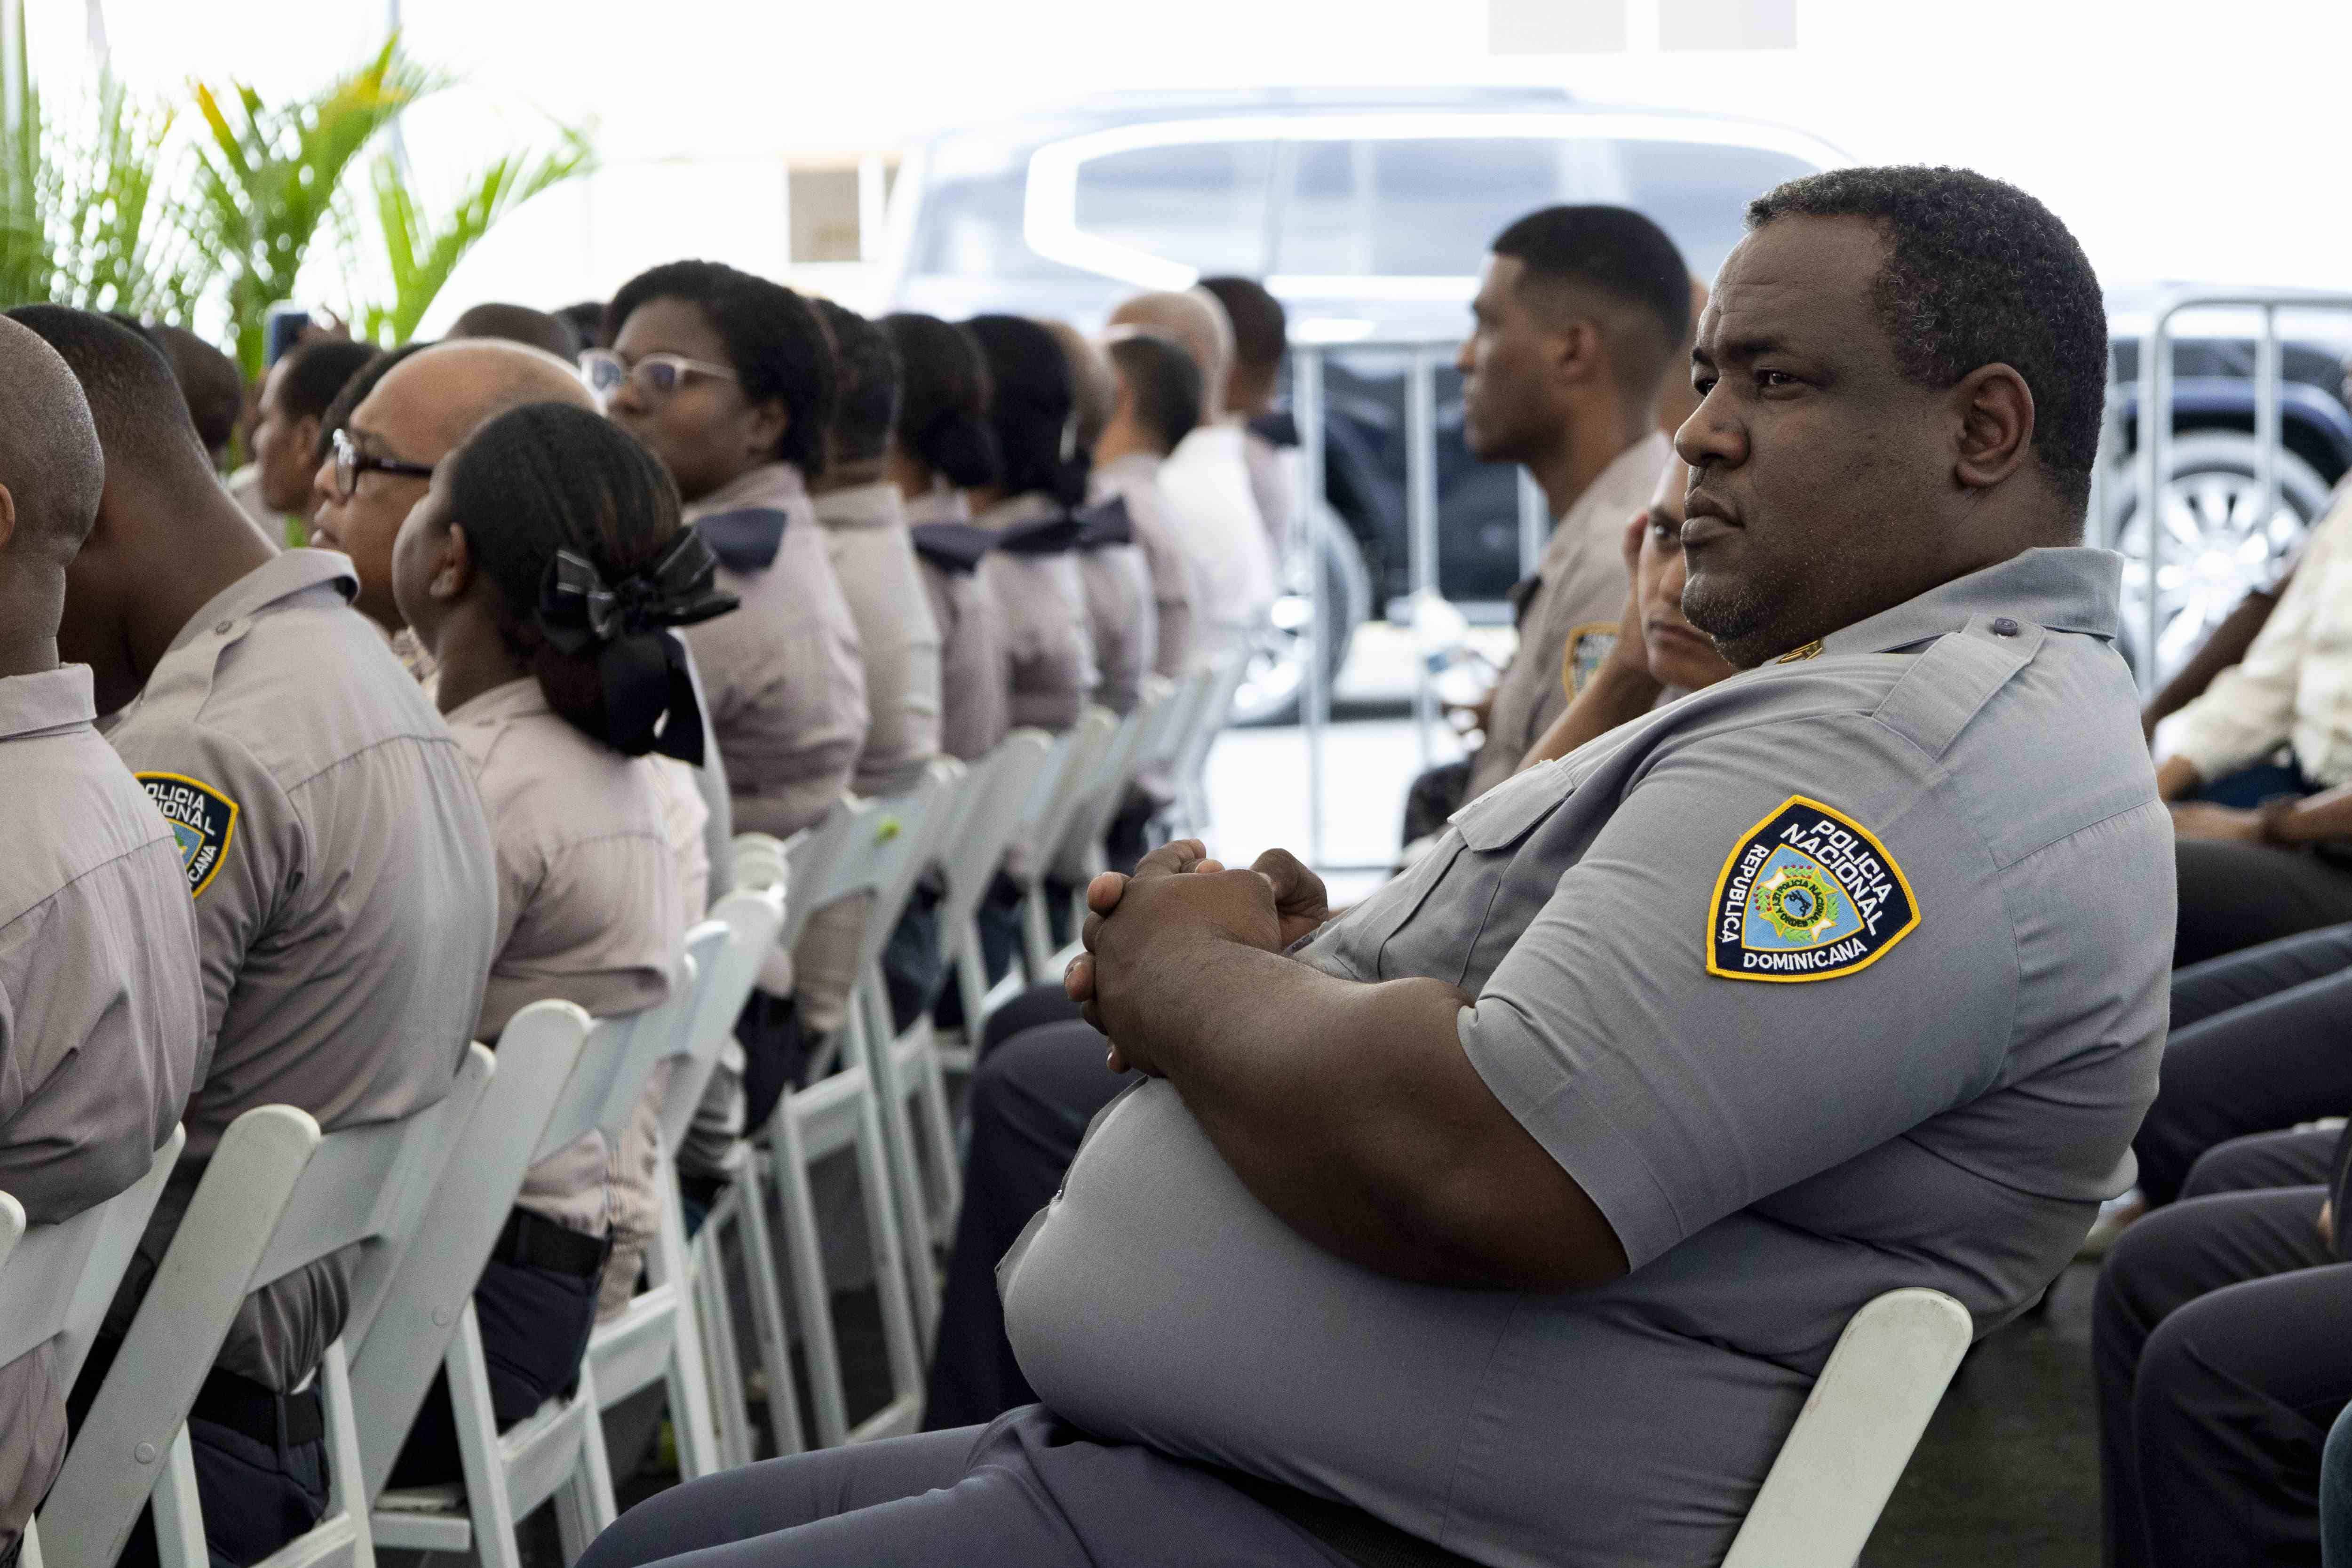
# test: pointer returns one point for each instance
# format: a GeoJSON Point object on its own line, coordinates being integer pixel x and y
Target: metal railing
{"type": "Point", "coordinates": [1422, 362]}
{"type": "Point", "coordinates": [2156, 438]}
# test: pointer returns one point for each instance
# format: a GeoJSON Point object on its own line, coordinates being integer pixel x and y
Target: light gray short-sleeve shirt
{"type": "Point", "coordinates": [1845, 974]}
{"type": "Point", "coordinates": [101, 1006]}
{"type": "Point", "coordinates": [588, 905]}
{"type": "Point", "coordinates": [897, 636]}
{"type": "Point", "coordinates": [342, 868]}
{"type": "Point", "coordinates": [975, 666]}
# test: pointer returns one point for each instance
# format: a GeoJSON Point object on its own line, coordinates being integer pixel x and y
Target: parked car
{"type": "Point", "coordinates": [1368, 213]}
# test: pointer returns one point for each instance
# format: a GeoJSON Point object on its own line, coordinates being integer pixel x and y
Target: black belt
{"type": "Point", "coordinates": [279, 1421]}
{"type": "Point", "coordinates": [528, 1241]}
{"type": "Point", "coordinates": [1357, 1536]}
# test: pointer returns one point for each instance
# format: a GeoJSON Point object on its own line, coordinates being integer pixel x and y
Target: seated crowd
{"type": "Point", "coordinates": [1505, 1217]}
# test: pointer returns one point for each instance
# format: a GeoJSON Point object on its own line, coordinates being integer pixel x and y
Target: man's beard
{"type": "Point", "coordinates": [1732, 612]}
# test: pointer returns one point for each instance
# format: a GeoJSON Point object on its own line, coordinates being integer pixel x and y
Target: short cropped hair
{"type": "Point", "coordinates": [210, 384]}
{"type": "Point", "coordinates": [865, 374]}
{"type": "Point", "coordinates": [1164, 383]}
{"type": "Point", "coordinates": [142, 421]}
{"type": "Point", "coordinates": [1978, 273]}
{"type": "Point", "coordinates": [587, 319]}
{"type": "Point", "coordinates": [520, 324]}
{"type": "Point", "coordinates": [1032, 407]}
{"type": "Point", "coordinates": [1261, 330]}
{"type": "Point", "coordinates": [776, 344]}
{"type": "Point", "coordinates": [1618, 254]}
{"type": "Point", "coordinates": [316, 371]}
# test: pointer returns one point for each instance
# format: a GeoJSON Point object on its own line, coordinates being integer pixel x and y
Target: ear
{"type": "Point", "coordinates": [306, 434]}
{"type": "Point", "coordinates": [453, 569]}
{"type": "Point", "coordinates": [1992, 410]}
{"type": "Point", "coordinates": [769, 421]}
{"type": "Point", "coordinates": [7, 517]}
{"type": "Point", "coordinates": [1575, 352]}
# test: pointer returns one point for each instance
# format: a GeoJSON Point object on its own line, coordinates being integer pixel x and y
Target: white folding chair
{"type": "Point", "coordinates": [904, 1066]}
{"type": "Point", "coordinates": [997, 791]}
{"type": "Point", "coordinates": [1045, 824]}
{"type": "Point", "coordinates": [1080, 858]}
{"type": "Point", "coordinates": [1853, 1438]}
{"type": "Point", "coordinates": [276, 1196]}
{"type": "Point", "coordinates": [1191, 762]}
{"type": "Point", "coordinates": [56, 1280]}
{"type": "Point", "coordinates": [558, 1451]}
{"type": "Point", "coordinates": [658, 1336]}
{"type": "Point", "coordinates": [836, 1114]}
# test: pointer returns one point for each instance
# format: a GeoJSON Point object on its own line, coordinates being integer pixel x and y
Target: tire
{"type": "Point", "coordinates": [2215, 549]}
{"type": "Point", "coordinates": [1271, 692]}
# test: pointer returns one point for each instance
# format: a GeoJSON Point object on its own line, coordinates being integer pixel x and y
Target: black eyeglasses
{"type": "Point", "coordinates": [351, 463]}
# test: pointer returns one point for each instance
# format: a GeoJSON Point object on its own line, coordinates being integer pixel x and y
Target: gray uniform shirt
{"type": "Point", "coordinates": [975, 670]}
{"type": "Point", "coordinates": [100, 1008]}
{"type": "Point", "coordinates": [1580, 585]}
{"type": "Point", "coordinates": [1047, 643]}
{"type": "Point", "coordinates": [344, 893]}
{"type": "Point", "coordinates": [874, 561]}
{"type": "Point", "coordinates": [782, 679]}
{"type": "Point", "coordinates": [1845, 974]}
{"type": "Point", "coordinates": [1134, 478]}
{"type": "Point", "coordinates": [588, 906]}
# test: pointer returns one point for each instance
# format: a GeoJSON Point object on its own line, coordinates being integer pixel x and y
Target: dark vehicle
{"type": "Point", "coordinates": [1368, 213]}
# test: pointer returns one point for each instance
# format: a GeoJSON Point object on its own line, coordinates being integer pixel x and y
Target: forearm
{"type": "Point", "coordinates": [1614, 695]}
{"type": "Point", "coordinates": [1350, 1112]}
{"type": "Point", "coordinates": [2315, 819]}
{"type": "Point", "coordinates": [2175, 778]}
{"type": "Point", "coordinates": [2226, 646]}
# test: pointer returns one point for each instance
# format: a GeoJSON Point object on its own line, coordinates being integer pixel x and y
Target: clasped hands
{"type": "Point", "coordinates": [1152, 939]}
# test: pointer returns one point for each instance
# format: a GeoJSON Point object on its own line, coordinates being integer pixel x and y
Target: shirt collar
{"type": "Point", "coordinates": [1127, 467]}
{"type": "Point", "coordinates": [516, 699]}
{"type": "Point", "coordinates": [777, 485]}
{"type": "Point", "coordinates": [51, 699]}
{"type": "Point", "coordinates": [2069, 589]}
{"type": "Point", "coordinates": [282, 577]}
{"type": "Point", "coordinates": [1013, 511]}
{"type": "Point", "coordinates": [876, 505]}
{"type": "Point", "coordinates": [940, 504]}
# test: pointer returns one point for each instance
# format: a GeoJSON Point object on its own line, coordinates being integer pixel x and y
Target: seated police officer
{"type": "Point", "coordinates": [101, 1006]}
{"type": "Point", "coordinates": [1509, 1216]}
{"type": "Point", "coordinates": [334, 845]}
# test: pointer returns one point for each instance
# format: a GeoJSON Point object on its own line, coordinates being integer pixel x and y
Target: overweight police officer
{"type": "Point", "coordinates": [1507, 1218]}
{"type": "Point", "coordinates": [336, 851]}
{"type": "Point", "coordinates": [100, 1008]}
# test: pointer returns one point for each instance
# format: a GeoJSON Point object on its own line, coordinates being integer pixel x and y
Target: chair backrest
{"type": "Point", "coordinates": [807, 864]}
{"type": "Point", "coordinates": [1209, 720]}
{"type": "Point", "coordinates": [756, 853]}
{"type": "Point", "coordinates": [396, 1346]}
{"type": "Point", "coordinates": [1856, 1432]}
{"type": "Point", "coordinates": [277, 1195]}
{"type": "Point", "coordinates": [609, 1080]}
{"type": "Point", "coordinates": [1059, 792]}
{"type": "Point", "coordinates": [1176, 721]}
{"type": "Point", "coordinates": [727, 950]}
{"type": "Point", "coordinates": [896, 838]}
{"type": "Point", "coordinates": [56, 1280]}
{"type": "Point", "coordinates": [1115, 772]}
{"type": "Point", "coordinates": [997, 794]}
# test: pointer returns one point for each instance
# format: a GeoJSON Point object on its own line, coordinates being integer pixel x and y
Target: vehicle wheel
{"type": "Point", "coordinates": [1272, 689]}
{"type": "Point", "coordinates": [2216, 548]}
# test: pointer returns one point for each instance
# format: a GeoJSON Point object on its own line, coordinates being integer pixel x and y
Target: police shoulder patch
{"type": "Point", "coordinates": [1589, 646]}
{"type": "Point", "coordinates": [1806, 894]}
{"type": "Point", "coordinates": [202, 820]}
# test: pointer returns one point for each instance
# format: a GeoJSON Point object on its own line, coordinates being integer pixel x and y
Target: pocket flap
{"type": "Point", "coordinates": [1510, 810]}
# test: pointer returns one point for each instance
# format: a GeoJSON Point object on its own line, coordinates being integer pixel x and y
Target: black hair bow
{"type": "Point", "coordinates": [649, 694]}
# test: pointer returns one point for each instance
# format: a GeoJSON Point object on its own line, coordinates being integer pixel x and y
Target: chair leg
{"type": "Point", "coordinates": [905, 1181]}
{"type": "Point", "coordinates": [179, 1516]}
{"type": "Point", "coordinates": [799, 1209]}
{"type": "Point", "coordinates": [899, 1336]}
{"type": "Point", "coordinates": [690, 1373]}
{"type": "Point", "coordinates": [938, 1128]}
{"type": "Point", "coordinates": [767, 1311]}
{"type": "Point", "coordinates": [488, 1504]}
{"type": "Point", "coordinates": [1036, 935]}
{"type": "Point", "coordinates": [716, 1318]}
{"type": "Point", "coordinates": [585, 1504]}
{"type": "Point", "coordinates": [345, 1496]}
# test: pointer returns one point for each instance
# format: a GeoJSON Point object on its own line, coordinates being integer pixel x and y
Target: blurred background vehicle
{"type": "Point", "coordinates": [1368, 214]}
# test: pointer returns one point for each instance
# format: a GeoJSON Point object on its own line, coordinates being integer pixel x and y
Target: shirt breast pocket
{"type": "Point", "coordinates": [1439, 930]}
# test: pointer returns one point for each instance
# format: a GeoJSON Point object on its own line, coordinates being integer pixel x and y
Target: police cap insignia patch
{"type": "Point", "coordinates": [203, 820]}
{"type": "Point", "coordinates": [1807, 894]}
